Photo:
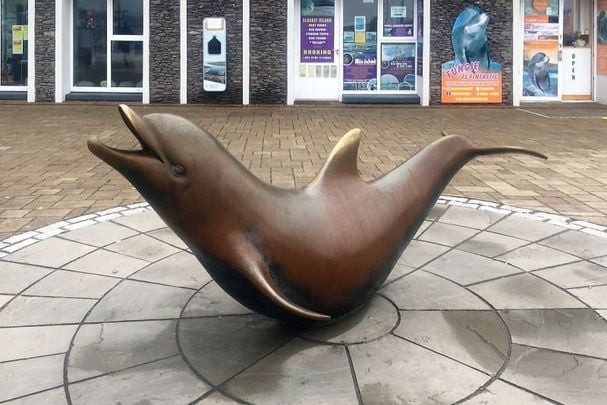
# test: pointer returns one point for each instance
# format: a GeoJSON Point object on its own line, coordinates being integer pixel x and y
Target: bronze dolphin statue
{"type": "Point", "coordinates": [303, 256]}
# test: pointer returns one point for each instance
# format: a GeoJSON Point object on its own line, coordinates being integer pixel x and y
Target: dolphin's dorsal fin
{"type": "Point", "coordinates": [343, 160]}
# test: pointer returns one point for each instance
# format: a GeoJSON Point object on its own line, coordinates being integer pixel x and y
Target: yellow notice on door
{"type": "Point", "coordinates": [17, 40]}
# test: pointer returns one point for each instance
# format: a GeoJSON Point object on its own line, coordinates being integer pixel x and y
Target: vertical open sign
{"type": "Point", "coordinates": [214, 46]}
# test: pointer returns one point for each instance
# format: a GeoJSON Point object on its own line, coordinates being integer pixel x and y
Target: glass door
{"type": "Point", "coordinates": [542, 50]}
{"type": "Point", "coordinates": [108, 45]}
{"type": "Point", "coordinates": [380, 42]}
{"type": "Point", "coordinates": [13, 44]}
{"type": "Point", "coordinates": [317, 49]}
{"type": "Point", "coordinates": [578, 43]}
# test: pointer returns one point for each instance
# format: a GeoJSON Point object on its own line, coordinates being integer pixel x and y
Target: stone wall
{"type": "Point", "coordinates": [164, 51]}
{"type": "Point", "coordinates": [444, 13]}
{"type": "Point", "coordinates": [45, 50]}
{"type": "Point", "coordinates": [268, 51]}
{"type": "Point", "coordinates": [231, 10]}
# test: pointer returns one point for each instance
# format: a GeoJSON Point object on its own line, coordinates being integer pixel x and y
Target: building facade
{"type": "Point", "coordinates": [289, 51]}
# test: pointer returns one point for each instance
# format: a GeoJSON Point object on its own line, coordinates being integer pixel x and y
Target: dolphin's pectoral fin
{"type": "Point", "coordinates": [252, 266]}
{"type": "Point", "coordinates": [343, 160]}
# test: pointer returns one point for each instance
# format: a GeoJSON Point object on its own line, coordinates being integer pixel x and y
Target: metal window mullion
{"type": "Point", "coordinates": [128, 38]}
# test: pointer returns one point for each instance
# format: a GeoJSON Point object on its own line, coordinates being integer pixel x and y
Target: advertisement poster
{"type": "Point", "coordinates": [17, 31]}
{"type": "Point", "coordinates": [602, 37]}
{"type": "Point", "coordinates": [398, 67]}
{"type": "Point", "coordinates": [317, 31]}
{"type": "Point", "coordinates": [214, 54]}
{"type": "Point", "coordinates": [471, 77]}
{"type": "Point", "coordinates": [541, 48]}
{"type": "Point", "coordinates": [398, 18]}
{"type": "Point", "coordinates": [360, 57]}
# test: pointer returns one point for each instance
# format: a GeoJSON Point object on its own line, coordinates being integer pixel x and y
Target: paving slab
{"type": "Point", "coordinates": [278, 377]}
{"type": "Point", "coordinates": [25, 377]}
{"type": "Point", "coordinates": [575, 275]}
{"type": "Point", "coordinates": [422, 290]}
{"type": "Point", "coordinates": [596, 297]}
{"type": "Point", "coordinates": [416, 375]}
{"type": "Point", "coordinates": [535, 256]}
{"type": "Point", "coordinates": [133, 300]}
{"type": "Point", "coordinates": [578, 244]}
{"type": "Point", "coordinates": [470, 218]}
{"type": "Point", "coordinates": [52, 397]}
{"type": "Point", "coordinates": [220, 348]}
{"type": "Point", "coordinates": [153, 335]}
{"type": "Point", "coordinates": [213, 301]}
{"type": "Point", "coordinates": [145, 222]}
{"type": "Point", "coordinates": [108, 263]}
{"type": "Point", "coordinates": [491, 244]}
{"type": "Point", "coordinates": [143, 247]}
{"type": "Point", "coordinates": [28, 311]}
{"type": "Point", "coordinates": [179, 270]}
{"type": "Point", "coordinates": [501, 393]}
{"type": "Point", "coordinates": [167, 381]}
{"type": "Point", "coordinates": [446, 234]}
{"type": "Point", "coordinates": [525, 229]}
{"type": "Point", "coordinates": [467, 268]}
{"type": "Point", "coordinates": [100, 234]}
{"type": "Point", "coordinates": [27, 342]}
{"type": "Point", "coordinates": [72, 285]}
{"type": "Point", "coordinates": [110, 347]}
{"type": "Point", "coordinates": [577, 331]}
{"type": "Point", "coordinates": [476, 338]}
{"type": "Point", "coordinates": [15, 277]}
{"type": "Point", "coordinates": [52, 252]}
{"type": "Point", "coordinates": [525, 291]}
{"type": "Point", "coordinates": [566, 378]}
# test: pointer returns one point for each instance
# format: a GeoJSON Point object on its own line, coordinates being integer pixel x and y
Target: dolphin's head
{"type": "Point", "coordinates": [470, 30]}
{"type": "Point", "coordinates": [539, 61]}
{"type": "Point", "coordinates": [162, 169]}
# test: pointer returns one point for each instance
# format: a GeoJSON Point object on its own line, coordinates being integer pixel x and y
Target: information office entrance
{"type": "Point", "coordinates": [366, 51]}
{"type": "Point", "coordinates": [559, 39]}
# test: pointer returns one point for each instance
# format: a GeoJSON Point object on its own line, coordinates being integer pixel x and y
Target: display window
{"type": "Point", "coordinates": [108, 44]}
{"type": "Point", "coordinates": [14, 35]}
{"type": "Point", "coordinates": [380, 46]}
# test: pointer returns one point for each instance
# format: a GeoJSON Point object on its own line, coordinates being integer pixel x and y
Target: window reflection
{"type": "Point", "coordinates": [13, 43]}
{"type": "Point", "coordinates": [128, 17]}
{"type": "Point", "coordinates": [127, 63]}
{"type": "Point", "coordinates": [577, 23]}
{"type": "Point", "coordinates": [90, 43]}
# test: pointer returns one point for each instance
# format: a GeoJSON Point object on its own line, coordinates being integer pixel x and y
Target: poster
{"type": "Point", "coordinates": [17, 31]}
{"type": "Point", "coordinates": [471, 77]}
{"type": "Point", "coordinates": [541, 48]}
{"type": "Point", "coordinates": [398, 18]}
{"type": "Point", "coordinates": [317, 31]}
{"type": "Point", "coordinates": [398, 67]}
{"type": "Point", "coordinates": [602, 37]}
{"type": "Point", "coordinates": [360, 56]}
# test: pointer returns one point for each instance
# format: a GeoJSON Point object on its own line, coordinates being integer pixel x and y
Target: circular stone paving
{"type": "Point", "coordinates": [485, 306]}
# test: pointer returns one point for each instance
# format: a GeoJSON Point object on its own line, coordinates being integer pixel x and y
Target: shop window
{"type": "Point", "coordinates": [13, 42]}
{"type": "Point", "coordinates": [108, 54]}
{"type": "Point", "coordinates": [391, 39]}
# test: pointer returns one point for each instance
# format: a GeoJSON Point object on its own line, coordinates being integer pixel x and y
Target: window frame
{"type": "Point", "coordinates": [143, 38]}
{"type": "Point", "coordinates": [23, 87]}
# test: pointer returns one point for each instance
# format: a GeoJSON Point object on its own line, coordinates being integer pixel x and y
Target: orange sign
{"type": "Point", "coordinates": [537, 19]}
{"type": "Point", "coordinates": [466, 84]}
{"type": "Point", "coordinates": [540, 5]}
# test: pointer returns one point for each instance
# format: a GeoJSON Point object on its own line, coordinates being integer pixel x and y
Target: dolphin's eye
{"type": "Point", "coordinates": [178, 171]}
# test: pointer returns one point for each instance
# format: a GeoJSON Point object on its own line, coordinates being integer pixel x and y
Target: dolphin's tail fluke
{"type": "Point", "coordinates": [508, 149]}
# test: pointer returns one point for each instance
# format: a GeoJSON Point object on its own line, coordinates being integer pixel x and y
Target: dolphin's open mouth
{"type": "Point", "coordinates": [114, 156]}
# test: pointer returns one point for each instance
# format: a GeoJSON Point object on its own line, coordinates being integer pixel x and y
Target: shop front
{"type": "Point", "coordinates": [358, 51]}
{"type": "Point", "coordinates": [14, 48]}
{"type": "Point", "coordinates": [562, 56]}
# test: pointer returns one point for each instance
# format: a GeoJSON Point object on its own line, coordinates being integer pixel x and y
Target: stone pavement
{"type": "Point", "coordinates": [486, 306]}
{"type": "Point", "coordinates": [47, 174]}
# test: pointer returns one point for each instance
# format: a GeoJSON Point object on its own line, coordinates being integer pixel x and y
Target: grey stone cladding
{"type": "Point", "coordinates": [164, 51]}
{"type": "Point", "coordinates": [444, 14]}
{"type": "Point", "coordinates": [268, 51]}
{"type": "Point", "coordinates": [198, 10]}
{"type": "Point", "coordinates": [45, 50]}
